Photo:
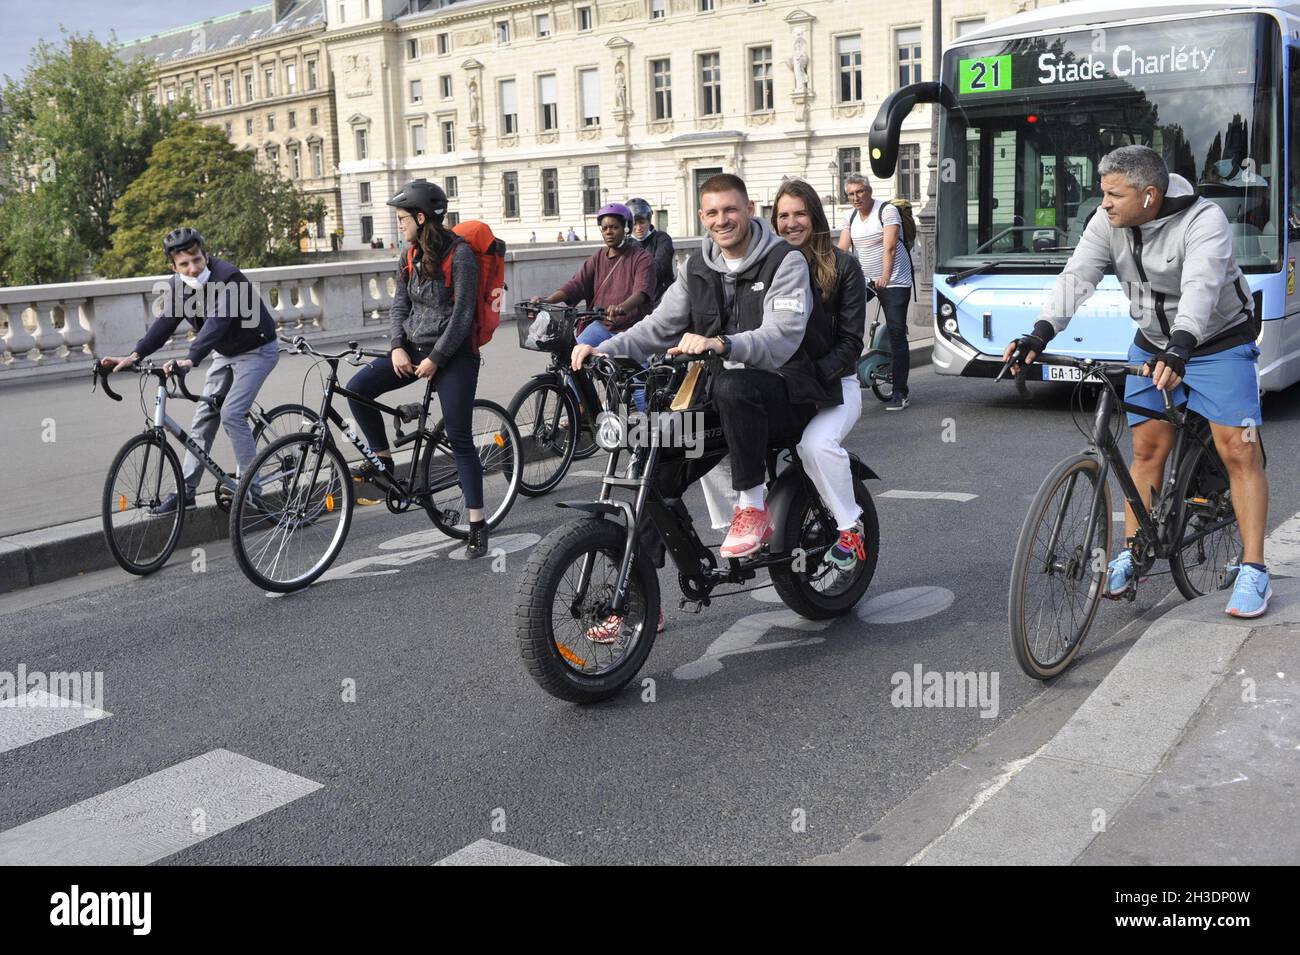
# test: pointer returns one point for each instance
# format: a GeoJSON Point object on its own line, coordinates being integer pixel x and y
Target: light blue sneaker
{"type": "Point", "coordinates": [1121, 574]}
{"type": "Point", "coordinates": [1251, 594]}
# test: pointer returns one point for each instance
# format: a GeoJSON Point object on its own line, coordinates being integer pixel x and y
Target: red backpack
{"type": "Point", "coordinates": [491, 255]}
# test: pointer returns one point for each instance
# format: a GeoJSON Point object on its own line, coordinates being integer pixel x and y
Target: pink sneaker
{"type": "Point", "coordinates": [608, 630]}
{"type": "Point", "coordinates": [750, 529]}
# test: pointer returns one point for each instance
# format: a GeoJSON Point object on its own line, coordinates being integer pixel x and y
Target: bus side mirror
{"type": "Point", "coordinates": [883, 137]}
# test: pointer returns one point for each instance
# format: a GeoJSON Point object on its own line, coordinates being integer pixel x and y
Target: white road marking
{"type": "Point", "coordinates": [39, 714]}
{"type": "Point", "coordinates": [156, 816]}
{"type": "Point", "coordinates": [929, 495]}
{"type": "Point", "coordinates": [743, 636]}
{"type": "Point", "coordinates": [1282, 548]}
{"type": "Point", "coordinates": [508, 544]}
{"type": "Point", "coordinates": [487, 852]}
{"type": "Point", "coordinates": [906, 605]}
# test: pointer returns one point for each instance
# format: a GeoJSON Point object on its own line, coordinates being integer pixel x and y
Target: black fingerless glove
{"type": "Point", "coordinates": [1035, 341]}
{"type": "Point", "coordinates": [1177, 352]}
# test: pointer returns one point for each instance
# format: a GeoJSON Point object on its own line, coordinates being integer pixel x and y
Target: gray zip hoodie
{"type": "Point", "coordinates": [769, 346]}
{"type": "Point", "coordinates": [1178, 271]}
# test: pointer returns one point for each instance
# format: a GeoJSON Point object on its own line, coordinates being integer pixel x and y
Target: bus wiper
{"type": "Point", "coordinates": [982, 267]}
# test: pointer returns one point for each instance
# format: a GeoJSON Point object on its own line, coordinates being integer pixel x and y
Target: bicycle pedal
{"type": "Point", "coordinates": [451, 518]}
{"type": "Point", "coordinates": [690, 606]}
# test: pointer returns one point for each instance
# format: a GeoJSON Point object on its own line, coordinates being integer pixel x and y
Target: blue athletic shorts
{"type": "Point", "coordinates": [1224, 387]}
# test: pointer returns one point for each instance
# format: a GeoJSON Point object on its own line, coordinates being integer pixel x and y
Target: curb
{"type": "Point", "coordinates": [53, 553]}
{"type": "Point", "coordinates": [1037, 810]}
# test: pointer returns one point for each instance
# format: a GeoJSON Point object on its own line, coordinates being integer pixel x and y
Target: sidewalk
{"type": "Point", "coordinates": [1187, 753]}
{"type": "Point", "coordinates": [65, 479]}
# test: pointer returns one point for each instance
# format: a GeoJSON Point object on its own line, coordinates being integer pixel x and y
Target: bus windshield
{"type": "Point", "coordinates": [1034, 117]}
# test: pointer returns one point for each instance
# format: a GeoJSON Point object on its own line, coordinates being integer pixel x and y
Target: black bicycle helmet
{"type": "Point", "coordinates": [640, 209]}
{"type": "Point", "coordinates": [182, 238]}
{"type": "Point", "coordinates": [421, 195]}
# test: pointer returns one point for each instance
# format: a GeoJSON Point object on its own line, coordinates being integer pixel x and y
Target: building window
{"type": "Point", "coordinates": [367, 229]}
{"type": "Point", "coordinates": [503, 31]}
{"type": "Point", "coordinates": [311, 74]}
{"type": "Point", "coordinates": [268, 81]}
{"type": "Point", "coordinates": [315, 116]}
{"type": "Point", "coordinates": [444, 86]}
{"type": "Point", "coordinates": [171, 95]}
{"type": "Point", "coordinates": [248, 87]}
{"type": "Point", "coordinates": [417, 139]}
{"type": "Point", "coordinates": [295, 162]}
{"type": "Point", "coordinates": [909, 172]}
{"type": "Point", "coordinates": [317, 161]}
{"type": "Point", "coordinates": [848, 55]}
{"type": "Point", "coordinates": [293, 119]}
{"type": "Point", "coordinates": [658, 9]}
{"type": "Point", "coordinates": [412, 49]}
{"type": "Point", "coordinates": [550, 192]}
{"type": "Point", "coordinates": [590, 189]}
{"type": "Point", "coordinates": [706, 6]}
{"type": "Point", "coordinates": [510, 195]}
{"type": "Point", "coordinates": [364, 189]}
{"type": "Point", "coordinates": [363, 144]}
{"type": "Point", "coordinates": [962, 27]}
{"type": "Point", "coordinates": [448, 136]}
{"type": "Point", "coordinates": [662, 81]}
{"type": "Point", "coordinates": [248, 127]}
{"type": "Point", "coordinates": [342, 18]}
{"type": "Point", "coordinates": [908, 43]}
{"type": "Point", "coordinates": [453, 219]}
{"type": "Point", "coordinates": [228, 91]}
{"type": "Point", "coordinates": [546, 99]}
{"type": "Point", "coordinates": [543, 22]}
{"type": "Point", "coordinates": [849, 160]}
{"type": "Point", "coordinates": [589, 84]}
{"type": "Point", "coordinates": [444, 44]}
{"type": "Point", "coordinates": [320, 228]}
{"type": "Point", "coordinates": [273, 156]}
{"type": "Point", "coordinates": [509, 95]}
{"type": "Point", "coordinates": [450, 187]}
{"type": "Point", "coordinates": [417, 92]}
{"type": "Point", "coordinates": [270, 122]}
{"type": "Point", "coordinates": [710, 84]}
{"type": "Point", "coordinates": [760, 78]}
{"type": "Point", "coordinates": [227, 130]}
{"type": "Point", "coordinates": [291, 77]}
{"type": "Point", "coordinates": [584, 19]}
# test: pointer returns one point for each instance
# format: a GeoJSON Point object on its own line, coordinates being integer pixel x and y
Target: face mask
{"type": "Point", "coordinates": [198, 280]}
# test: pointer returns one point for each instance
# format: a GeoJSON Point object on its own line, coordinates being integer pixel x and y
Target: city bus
{"type": "Point", "coordinates": [1029, 106]}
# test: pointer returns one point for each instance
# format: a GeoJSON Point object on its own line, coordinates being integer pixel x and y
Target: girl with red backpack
{"type": "Point", "coordinates": [432, 319]}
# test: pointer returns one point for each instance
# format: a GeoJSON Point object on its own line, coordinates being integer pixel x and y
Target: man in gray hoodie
{"type": "Point", "coordinates": [746, 296]}
{"type": "Point", "coordinates": [1172, 252]}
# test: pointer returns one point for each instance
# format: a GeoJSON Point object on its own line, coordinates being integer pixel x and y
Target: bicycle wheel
{"type": "Point", "coordinates": [882, 385]}
{"type": "Point", "coordinates": [280, 421]}
{"type": "Point", "coordinates": [499, 452]}
{"type": "Point", "coordinates": [552, 622]}
{"type": "Point", "coordinates": [1057, 577]}
{"type": "Point", "coordinates": [1208, 552]}
{"type": "Point", "coordinates": [547, 419]}
{"type": "Point", "coordinates": [821, 590]}
{"type": "Point", "coordinates": [144, 472]}
{"type": "Point", "coordinates": [289, 536]}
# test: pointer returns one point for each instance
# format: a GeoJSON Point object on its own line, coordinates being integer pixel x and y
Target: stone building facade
{"type": "Point", "coordinates": [533, 113]}
{"type": "Point", "coordinates": [262, 75]}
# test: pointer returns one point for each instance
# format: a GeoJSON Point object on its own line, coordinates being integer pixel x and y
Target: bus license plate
{"type": "Point", "coordinates": [1062, 373]}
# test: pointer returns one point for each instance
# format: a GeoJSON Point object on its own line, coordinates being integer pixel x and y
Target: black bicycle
{"type": "Point", "coordinates": [1059, 573]}
{"type": "Point", "coordinates": [596, 575]}
{"type": "Point", "coordinates": [293, 508]}
{"type": "Point", "coordinates": [555, 429]}
{"type": "Point", "coordinates": [146, 469]}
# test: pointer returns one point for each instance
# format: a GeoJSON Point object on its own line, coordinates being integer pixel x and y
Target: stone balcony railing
{"type": "Point", "coordinates": [54, 330]}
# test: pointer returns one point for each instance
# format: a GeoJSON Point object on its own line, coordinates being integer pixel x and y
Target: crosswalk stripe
{"type": "Point", "coordinates": [156, 816]}
{"type": "Point", "coordinates": [487, 852]}
{"type": "Point", "coordinates": [929, 495]}
{"type": "Point", "coordinates": [39, 714]}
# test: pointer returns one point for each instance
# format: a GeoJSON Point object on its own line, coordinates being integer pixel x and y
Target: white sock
{"type": "Point", "coordinates": [753, 497]}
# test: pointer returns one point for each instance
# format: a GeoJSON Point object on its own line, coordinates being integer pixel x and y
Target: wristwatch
{"type": "Point", "coordinates": [726, 346]}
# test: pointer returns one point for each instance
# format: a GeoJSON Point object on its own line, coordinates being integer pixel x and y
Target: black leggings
{"type": "Point", "coordinates": [755, 409]}
{"type": "Point", "coordinates": [456, 384]}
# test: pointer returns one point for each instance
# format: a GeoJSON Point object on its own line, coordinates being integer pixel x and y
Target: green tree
{"type": "Point", "coordinates": [248, 214]}
{"type": "Point", "coordinates": [36, 245]}
{"type": "Point", "coordinates": [79, 124]}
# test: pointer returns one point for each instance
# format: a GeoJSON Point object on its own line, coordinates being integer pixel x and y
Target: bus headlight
{"type": "Point", "coordinates": [950, 326]}
{"type": "Point", "coordinates": [947, 311]}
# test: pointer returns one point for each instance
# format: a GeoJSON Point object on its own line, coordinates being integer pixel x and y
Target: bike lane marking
{"type": "Point", "coordinates": [898, 493]}
{"type": "Point", "coordinates": [743, 636]}
{"type": "Point", "coordinates": [38, 714]}
{"type": "Point", "coordinates": [487, 852]}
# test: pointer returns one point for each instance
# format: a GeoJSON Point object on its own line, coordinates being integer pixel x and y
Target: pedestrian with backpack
{"type": "Point", "coordinates": [877, 232]}
{"type": "Point", "coordinates": [431, 336]}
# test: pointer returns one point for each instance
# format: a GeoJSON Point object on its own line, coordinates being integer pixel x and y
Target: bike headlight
{"type": "Point", "coordinates": [609, 431]}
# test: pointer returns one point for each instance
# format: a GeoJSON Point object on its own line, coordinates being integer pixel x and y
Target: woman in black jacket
{"type": "Point", "coordinates": [798, 218]}
{"type": "Point", "coordinates": [431, 336]}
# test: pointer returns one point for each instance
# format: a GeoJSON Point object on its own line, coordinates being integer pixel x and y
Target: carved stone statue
{"type": "Point", "coordinates": [620, 86]}
{"type": "Point", "coordinates": [473, 103]}
{"type": "Point", "coordinates": [799, 63]}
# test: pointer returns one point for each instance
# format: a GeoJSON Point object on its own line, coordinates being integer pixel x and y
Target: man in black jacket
{"type": "Point", "coordinates": [229, 318]}
{"type": "Point", "coordinates": [655, 241]}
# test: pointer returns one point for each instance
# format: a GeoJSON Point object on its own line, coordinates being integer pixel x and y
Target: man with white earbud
{"type": "Point", "coordinates": [1197, 325]}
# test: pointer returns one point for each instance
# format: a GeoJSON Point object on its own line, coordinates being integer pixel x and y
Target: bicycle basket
{"type": "Point", "coordinates": [549, 329]}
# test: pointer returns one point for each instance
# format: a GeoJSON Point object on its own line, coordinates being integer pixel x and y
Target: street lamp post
{"type": "Point", "coordinates": [833, 168]}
